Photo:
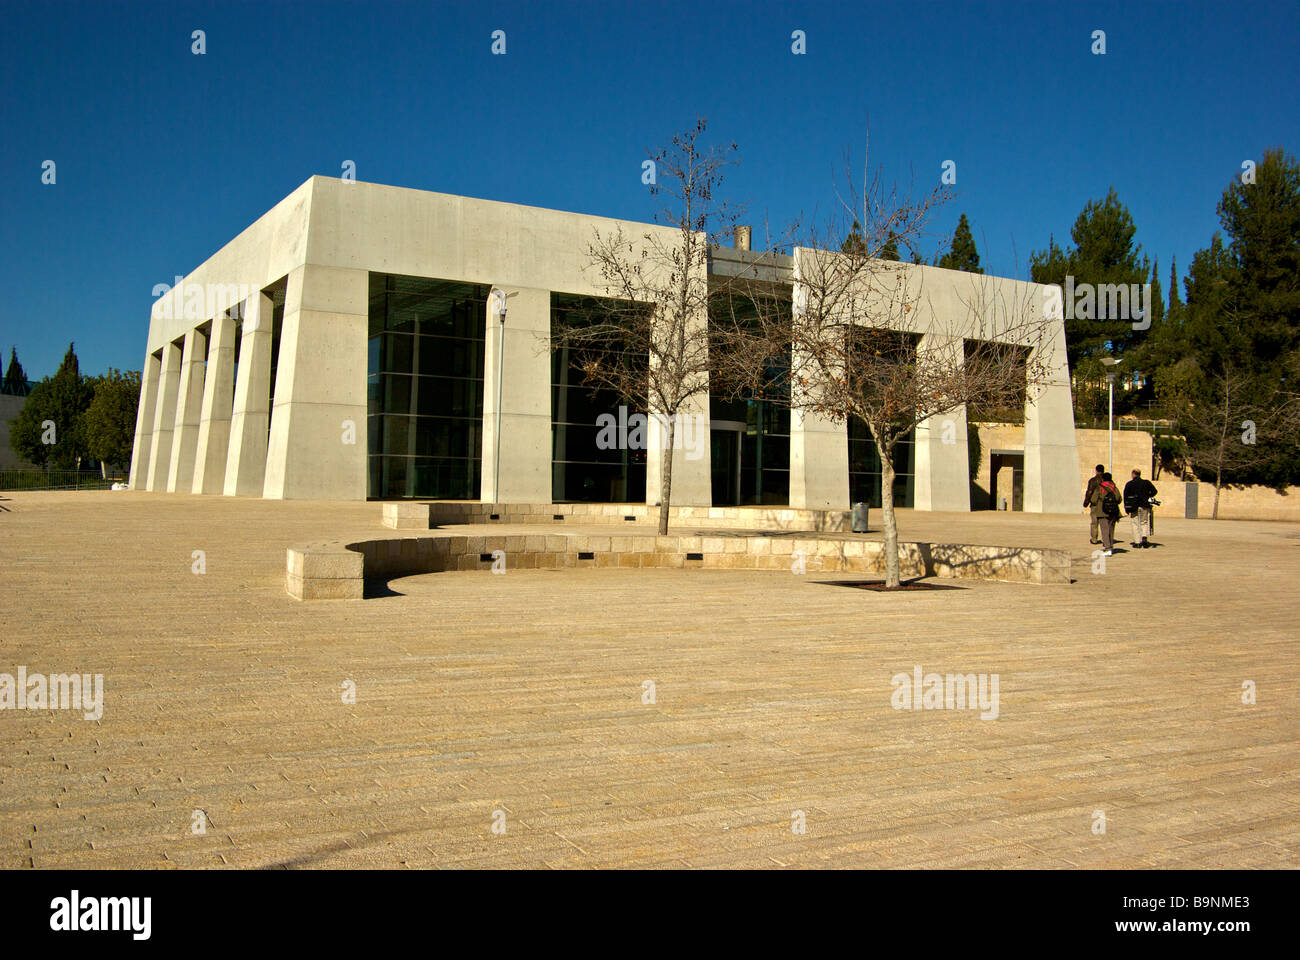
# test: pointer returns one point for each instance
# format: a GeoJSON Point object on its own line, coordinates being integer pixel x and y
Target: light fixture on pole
{"type": "Point", "coordinates": [1111, 363]}
{"type": "Point", "coordinates": [499, 310]}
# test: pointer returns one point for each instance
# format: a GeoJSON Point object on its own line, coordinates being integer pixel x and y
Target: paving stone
{"type": "Point", "coordinates": [524, 693]}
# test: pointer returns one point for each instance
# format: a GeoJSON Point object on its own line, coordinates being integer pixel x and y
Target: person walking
{"type": "Point", "coordinates": [1105, 511]}
{"type": "Point", "coordinates": [1137, 504]}
{"type": "Point", "coordinates": [1087, 504]}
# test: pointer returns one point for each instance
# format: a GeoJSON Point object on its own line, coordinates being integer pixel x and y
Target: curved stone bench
{"type": "Point", "coordinates": [325, 571]}
{"type": "Point", "coordinates": [338, 570]}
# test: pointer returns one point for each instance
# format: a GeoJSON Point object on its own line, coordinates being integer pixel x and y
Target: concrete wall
{"type": "Point", "coordinates": [1132, 449]}
{"type": "Point", "coordinates": [1235, 503]}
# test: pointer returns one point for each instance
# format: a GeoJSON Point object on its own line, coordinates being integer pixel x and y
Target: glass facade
{"type": "Point", "coordinates": [864, 467]}
{"type": "Point", "coordinates": [580, 470]}
{"type": "Point", "coordinates": [425, 387]}
{"type": "Point", "coordinates": [750, 435]}
{"type": "Point", "coordinates": [750, 460]}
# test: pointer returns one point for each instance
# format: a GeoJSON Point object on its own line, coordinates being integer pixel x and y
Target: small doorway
{"type": "Point", "coordinates": [1007, 480]}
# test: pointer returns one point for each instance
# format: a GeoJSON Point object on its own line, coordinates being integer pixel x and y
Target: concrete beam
{"type": "Point", "coordinates": [317, 448]}
{"type": "Point", "coordinates": [942, 464]}
{"type": "Point", "coordinates": [144, 417]}
{"type": "Point", "coordinates": [525, 399]}
{"type": "Point", "coordinates": [189, 405]}
{"type": "Point", "coordinates": [1051, 458]}
{"type": "Point", "coordinates": [164, 421]}
{"type": "Point", "coordinates": [216, 409]}
{"type": "Point", "coordinates": [819, 462]}
{"type": "Point", "coordinates": [246, 456]}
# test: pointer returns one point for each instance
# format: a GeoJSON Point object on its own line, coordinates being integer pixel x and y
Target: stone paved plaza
{"type": "Point", "coordinates": [522, 693]}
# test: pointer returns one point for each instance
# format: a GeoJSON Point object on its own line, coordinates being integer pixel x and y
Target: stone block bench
{"type": "Point", "coordinates": [338, 570]}
{"type": "Point", "coordinates": [325, 571]}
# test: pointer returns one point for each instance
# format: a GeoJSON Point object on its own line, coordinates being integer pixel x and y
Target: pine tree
{"type": "Point", "coordinates": [854, 243]}
{"type": "Point", "coordinates": [1262, 224]}
{"type": "Point", "coordinates": [1103, 252]}
{"type": "Point", "coordinates": [963, 255]}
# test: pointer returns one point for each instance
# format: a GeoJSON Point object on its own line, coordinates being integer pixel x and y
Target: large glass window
{"type": "Point", "coordinates": [750, 442]}
{"type": "Point", "coordinates": [425, 387]}
{"type": "Point", "coordinates": [880, 357]}
{"type": "Point", "coordinates": [583, 469]}
{"type": "Point", "coordinates": [864, 467]}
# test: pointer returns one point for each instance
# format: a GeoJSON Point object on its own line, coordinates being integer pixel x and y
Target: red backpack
{"type": "Point", "coordinates": [1109, 498]}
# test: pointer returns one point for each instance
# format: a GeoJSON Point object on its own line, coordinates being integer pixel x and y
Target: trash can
{"type": "Point", "coordinates": [859, 518]}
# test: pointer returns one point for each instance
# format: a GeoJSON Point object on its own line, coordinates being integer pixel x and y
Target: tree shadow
{"type": "Point", "coordinates": [910, 583]}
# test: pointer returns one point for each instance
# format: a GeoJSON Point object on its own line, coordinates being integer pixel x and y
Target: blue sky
{"type": "Point", "coordinates": [163, 156]}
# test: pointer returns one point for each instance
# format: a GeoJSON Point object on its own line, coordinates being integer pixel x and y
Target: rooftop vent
{"type": "Point", "coordinates": [743, 237]}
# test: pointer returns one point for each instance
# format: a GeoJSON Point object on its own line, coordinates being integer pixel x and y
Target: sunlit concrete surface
{"type": "Point", "coordinates": [522, 693]}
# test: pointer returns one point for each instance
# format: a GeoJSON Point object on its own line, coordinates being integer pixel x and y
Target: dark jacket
{"type": "Point", "coordinates": [1092, 485]}
{"type": "Point", "coordinates": [1138, 494]}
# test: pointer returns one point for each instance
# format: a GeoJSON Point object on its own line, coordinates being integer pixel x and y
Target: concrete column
{"type": "Point", "coordinates": [692, 482]}
{"type": "Point", "coordinates": [525, 399]}
{"type": "Point", "coordinates": [819, 462]}
{"type": "Point", "coordinates": [317, 448]}
{"type": "Point", "coordinates": [215, 411]}
{"type": "Point", "coordinates": [819, 446]}
{"type": "Point", "coordinates": [246, 453]}
{"type": "Point", "coordinates": [189, 403]}
{"type": "Point", "coordinates": [164, 420]}
{"type": "Point", "coordinates": [144, 422]}
{"type": "Point", "coordinates": [942, 455]}
{"type": "Point", "coordinates": [1051, 459]}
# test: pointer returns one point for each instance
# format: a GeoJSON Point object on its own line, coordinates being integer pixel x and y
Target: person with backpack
{"type": "Point", "coordinates": [1137, 504]}
{"type": "Point", "coordinates": [1087, 503]}
{"type": "Point", "coordinates": [1105, 511]}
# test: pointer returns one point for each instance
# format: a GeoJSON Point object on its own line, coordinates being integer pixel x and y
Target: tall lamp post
{"type": "Point", "coordinates": [1111, 363]}
{"type": "Point", "coordinates": [499, 309]}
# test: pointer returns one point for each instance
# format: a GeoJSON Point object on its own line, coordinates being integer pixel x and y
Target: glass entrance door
{"type": "Point", "coordinates": [724, 448]}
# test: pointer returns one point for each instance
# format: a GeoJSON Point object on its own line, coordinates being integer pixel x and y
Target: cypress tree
{"type": "Point", "coordinates": [15, 376]}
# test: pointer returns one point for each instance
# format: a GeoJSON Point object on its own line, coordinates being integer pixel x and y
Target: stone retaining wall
{"type": "Point", "coordinates": [1235, 503]}
{"type": "Point", "coordinates": [414, 515]}
{"type": "Point", "coordinates": [337, 570]}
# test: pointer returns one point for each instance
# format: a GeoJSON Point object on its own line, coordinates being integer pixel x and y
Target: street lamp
{"type": "Point", "coordinates": [499, 310]}
{"type": "Point", "coordinates": [1111, 363]}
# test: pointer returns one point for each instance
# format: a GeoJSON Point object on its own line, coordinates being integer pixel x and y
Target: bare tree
{"type": "Point", "coordinates": [1234, 423]}
{"type": "Point", "coordinates": [863, 339]}
{"type": "Point", "coordinates": [649, 341]}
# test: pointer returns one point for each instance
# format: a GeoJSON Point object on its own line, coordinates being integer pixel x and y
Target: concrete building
{"type": "Point", "coordinates": [344, 346]}
{"type": "Point", "coordinates": [11, 405]}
